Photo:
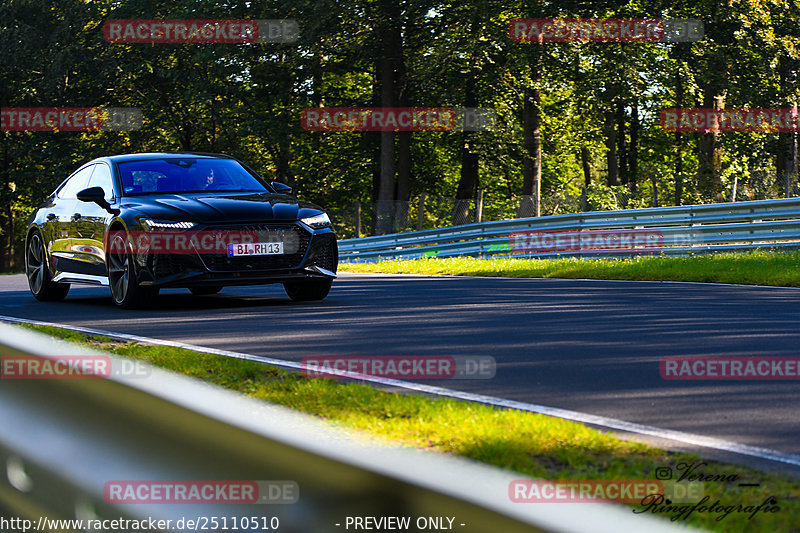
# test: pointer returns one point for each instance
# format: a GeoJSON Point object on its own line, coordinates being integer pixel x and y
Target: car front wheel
{"type": "Point", "coordinates": [40, 282]}
{"type": "Point", "coordinates": [125, 289]}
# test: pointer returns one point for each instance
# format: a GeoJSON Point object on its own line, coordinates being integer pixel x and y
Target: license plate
{"type": "Point", "coordinates": [255, 248]}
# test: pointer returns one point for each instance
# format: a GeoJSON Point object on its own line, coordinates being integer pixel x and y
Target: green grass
{"type": "Point", "coordinates": [530, 444]}
{"type": "Point", "coordinates": [760, 267]}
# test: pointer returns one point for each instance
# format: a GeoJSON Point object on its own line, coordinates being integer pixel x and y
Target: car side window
{"type": "Point", "coordinates": [102, 178]}
{"type": "Point", "coordinates": [76, 183]}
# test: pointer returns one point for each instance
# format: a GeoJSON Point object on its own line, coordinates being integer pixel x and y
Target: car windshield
{"type": "Point", "coordinates": [165, 176]}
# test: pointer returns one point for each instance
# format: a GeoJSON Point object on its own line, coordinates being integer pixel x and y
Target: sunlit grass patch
{"type": "Point", "coordinates": [759, 267]}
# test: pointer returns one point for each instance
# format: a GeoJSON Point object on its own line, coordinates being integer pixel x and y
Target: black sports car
{"type": "Point", "coordinates": [140, 222]}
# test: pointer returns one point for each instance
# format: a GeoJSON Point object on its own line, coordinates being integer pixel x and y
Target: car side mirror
{"type": "Point", "coordinates": [98, 196]}
{"type": "Point", "coordinates": [281, 188]}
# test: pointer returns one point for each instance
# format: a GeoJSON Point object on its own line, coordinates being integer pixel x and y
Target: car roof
{"type": "Point", "coordinates": [121, 158]}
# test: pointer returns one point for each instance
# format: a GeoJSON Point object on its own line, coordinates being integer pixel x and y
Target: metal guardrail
{"type": "Point", "coordinates": [684, 230]}
{"type": "Point", "coordinates": [62, 440]}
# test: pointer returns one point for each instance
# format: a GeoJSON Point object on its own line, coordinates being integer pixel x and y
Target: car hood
{"type": "Point", "coordinates": [209, 208]}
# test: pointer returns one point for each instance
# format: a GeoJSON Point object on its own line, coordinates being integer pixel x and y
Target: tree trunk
{"type": "Point", "coordinates": [611, 148]}
{"type": "Point", "coordinates": [386, 185]}
{"type": "Point", "coordinates": [468, 181]}
{"type": "Point", "coordinates": [5, 226]}
{"type": "Point", "coordinates": [676, 53]}
{"type": "Point", "coordinates": [587, 178]}
{"type": "Point", "coordinates": [374, 140]}
{"type": "Point", "coordinates": [678, 143]}
{"type": "Point", "coordinates": [622, 155]}
{"type": "Point", "coordinates": [654, 182]}
{"type": "Point", "coordinates": [709, 179]}
{"type": "Point", "coordinates": [10, 258]}
{"type": "Point", "coordinates": [678, 168]}
{"type": "Point", "coordinates": [402, 192]}
{"type": "Point", "coordinates": [385, 202]}
{"type": "Point", "coordinates": [786, 156]}
{"type": "Point", "coordinates": [633, 154]}
{"type": "Point", "coordinates": [532, 143]}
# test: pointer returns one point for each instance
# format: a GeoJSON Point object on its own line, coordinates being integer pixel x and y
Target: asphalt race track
{"type": "Point", "coordinates": [589, 346]}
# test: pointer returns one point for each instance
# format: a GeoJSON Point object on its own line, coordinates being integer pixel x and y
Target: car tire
{"type": "Point", "coordinates": [40, 282]}
{"type": "Point", "coordinates": [307, 291]}
{"type": "Point", "coordinates": [205, 291]}
{"type": "Point", "coordinates": [125, 289]}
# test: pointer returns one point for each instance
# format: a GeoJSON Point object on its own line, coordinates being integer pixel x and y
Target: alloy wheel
{"type": "Point", "coordinates": [35, 264]}
{"type": "Point", "coordinates": [119, 268]}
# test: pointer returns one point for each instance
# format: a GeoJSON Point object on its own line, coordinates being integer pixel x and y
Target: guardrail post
{"type": "Point", "coordinates": [479, 207]}
{"type": "Point", "coordinates": [420, 211]}
{"type": "Point", "coordinates": [358, 219]}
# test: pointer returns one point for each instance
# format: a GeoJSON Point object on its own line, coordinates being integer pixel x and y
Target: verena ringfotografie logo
{"type": "Point", "coordinates": [723, 368]}
{"type": "Point", "coordinates": [601, 490]}
{"type": "Point", "coordinates": [212, 242]}
{"type": "Point", "coordinates": [201, 492]}
{"type": "Point", "coordinates": [400, 367]}
{"type": "Point", "coordinates": [697, 473]}
{"type": "Point", "coordinates": [605, 30]}
{"type": "Point", "coordinates": [68, 367]}
{"type": "Point", "coordinates": [201, 31]}
{"type": "Point", "coordinates": [397, 119]}
{"type": "Point", "coordinates": [70, 119]}
{"type": "Point", "coordinates": [726, 120]}
{"type": "Point", "coordinates": [573, 241]}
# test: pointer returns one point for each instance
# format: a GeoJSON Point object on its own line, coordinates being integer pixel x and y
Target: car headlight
{"type": "Point", "coordinates": [165, 225]}
{"type": "Point", "coordinates": [317, 221]}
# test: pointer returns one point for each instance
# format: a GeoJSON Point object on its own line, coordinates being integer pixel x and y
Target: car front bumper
{"type": "Point", "coordinates": [314, 256]}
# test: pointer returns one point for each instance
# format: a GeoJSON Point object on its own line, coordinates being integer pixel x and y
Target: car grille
{"type": "Point", "coordinates": [295, 243]}
{"type": "Point", "coordinates": [167, 265]}
{"type": "Point", "coordinates": [327, 257]}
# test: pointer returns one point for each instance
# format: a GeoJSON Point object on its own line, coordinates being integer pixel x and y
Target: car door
{"type": "Point", "coordinates": [60, 219]}
{"type": "Point", "coordinates": [90, 226]}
